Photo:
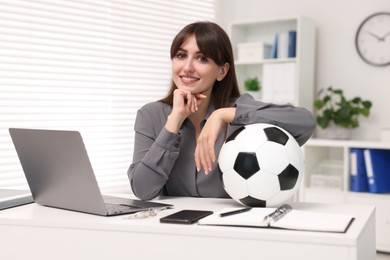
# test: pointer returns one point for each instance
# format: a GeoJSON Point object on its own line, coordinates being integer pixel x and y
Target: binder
{"type": "Point", "coordinates": [282, 50]}
{"type": "Point", "coordinates": [279, 83]}
{"type": "Point", "coordinates": [274, 50]}
{"type": "Point", "coordinates": [287, 44]}
{"type": "Point", "coordinates": [378, 170]}
{"type": "Point", "coordinates": [292, 44]}
{"type": "Point", "coordinates": [357, 170]}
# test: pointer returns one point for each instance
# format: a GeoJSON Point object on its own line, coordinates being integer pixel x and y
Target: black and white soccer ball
{"type": "Point", "coordinates": [262, 165]}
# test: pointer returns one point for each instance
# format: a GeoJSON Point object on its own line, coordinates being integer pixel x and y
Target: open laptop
{"type": "Point", "coordinates": [59, 173]}
{"type": "Point", "coordinates": [10, 198]}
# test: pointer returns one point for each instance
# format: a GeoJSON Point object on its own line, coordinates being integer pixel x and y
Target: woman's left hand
{"type": "Point", "coordinates": [204, 151]}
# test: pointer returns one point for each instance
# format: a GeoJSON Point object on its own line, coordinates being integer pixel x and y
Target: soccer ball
{"type": "Point", "coordinates": [261, 165]}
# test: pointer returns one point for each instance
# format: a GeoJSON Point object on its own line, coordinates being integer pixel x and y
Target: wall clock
{"type": "Point", "coordinates": [373, 39]}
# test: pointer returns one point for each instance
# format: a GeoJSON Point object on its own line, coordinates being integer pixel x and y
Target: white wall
{"type": "Point", "coordinates": [337, 61]}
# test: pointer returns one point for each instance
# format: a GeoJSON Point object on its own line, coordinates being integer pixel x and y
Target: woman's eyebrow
{"type": "Point", "coordinates": [184, 50]}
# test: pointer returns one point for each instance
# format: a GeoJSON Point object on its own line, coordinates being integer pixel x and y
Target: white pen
{"type": "Point", "coordinates": [277, 214]}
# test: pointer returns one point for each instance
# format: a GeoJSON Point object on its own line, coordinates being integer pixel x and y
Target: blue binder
{"type": "Point", "coordinates": [274, 50]}
{"type": "Point", "coordinates": [292, 44]}
{"type": "Point", "coordinates": [378, 170]}
{"type": "Point", "coordinates": [357, 170]}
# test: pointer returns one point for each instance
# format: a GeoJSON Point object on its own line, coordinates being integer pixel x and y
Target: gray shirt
{"type": "Point", "coordinates": [164, 164]}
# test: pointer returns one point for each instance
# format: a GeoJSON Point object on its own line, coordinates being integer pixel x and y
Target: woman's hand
{"type": "Point", "coordinates": [184, 104]}
{"type": "Point", "coordinates": [204, 152]}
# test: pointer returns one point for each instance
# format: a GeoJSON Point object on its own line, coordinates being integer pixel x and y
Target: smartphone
{"type": "Point", "coordinates": [185, 216]}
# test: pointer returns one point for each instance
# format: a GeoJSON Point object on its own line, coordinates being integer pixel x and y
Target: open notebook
{"type": "Point", "coordinates": [294, 220]}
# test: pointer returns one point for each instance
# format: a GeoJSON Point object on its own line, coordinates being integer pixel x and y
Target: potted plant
{"type": "Point", "coordinates": [252, 86]}
{"type": "Point", "coordinates": [334, 109]}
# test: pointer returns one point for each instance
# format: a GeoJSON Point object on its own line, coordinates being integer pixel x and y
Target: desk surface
{"type": "Point", "coordinates": [22, 223]}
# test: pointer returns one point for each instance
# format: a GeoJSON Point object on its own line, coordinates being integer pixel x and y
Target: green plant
{"type": "Point", "coordinates": [252, 84]}
{"type": "Point", "coordinates": [331, 106]}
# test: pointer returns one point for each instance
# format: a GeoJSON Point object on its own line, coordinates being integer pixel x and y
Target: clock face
{"type": "Point", "coordinates": [373, 39]}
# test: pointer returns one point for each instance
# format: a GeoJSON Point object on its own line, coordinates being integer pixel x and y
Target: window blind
{"type": "Point", "coordinates": [86, 65]}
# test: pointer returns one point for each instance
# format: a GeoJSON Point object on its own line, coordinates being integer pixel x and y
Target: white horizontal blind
{"type": "Point", "coordinates": [86, 65]}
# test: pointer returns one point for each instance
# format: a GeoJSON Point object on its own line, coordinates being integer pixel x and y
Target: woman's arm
{"type": "Point", "coordinates": [298, 121]}
{"type": "Point", "coordinates": [155, 152]}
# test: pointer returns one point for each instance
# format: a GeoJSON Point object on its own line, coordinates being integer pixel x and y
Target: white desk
{"type": "Point", "coordinates": [37, 232]}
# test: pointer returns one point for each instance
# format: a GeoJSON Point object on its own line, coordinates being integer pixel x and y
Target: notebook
{"type": "Point", "coordinates": [294, 219]}
{"type": "Point", "coordinates": [60, 175]}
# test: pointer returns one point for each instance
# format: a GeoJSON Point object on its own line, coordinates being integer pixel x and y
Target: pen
{"type": "Point", "coordinates": [234, 212]}
{"type": "Point", "coordinates": [277, 214]}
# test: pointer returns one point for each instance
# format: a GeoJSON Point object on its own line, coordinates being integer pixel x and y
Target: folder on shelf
{"type": "Point", "coordinates": [286, 47]}
{"type": "Point", "coordinates": [357, 170]}
{"type": "Point", "coordinates": [282, 45]}
{"type": "Point", "coordinates": [378, 170]}
{"type": "Point", "coordinates": [279, 83]}
{"type": "Point", "coordinates": [292, 44]}
{"type": "Point", "coordinates": [304, 220]}
{"type": "Point", "coordinates": [274, 49]}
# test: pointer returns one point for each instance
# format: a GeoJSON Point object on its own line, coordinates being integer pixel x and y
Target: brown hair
{"type": "Point", "coordinates": [214, 43]}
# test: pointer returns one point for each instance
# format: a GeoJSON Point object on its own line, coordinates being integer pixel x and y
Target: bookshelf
{"type": "Point", "coordinates": [323, 150]}
{"type": "Point", "coordinates": [255, 31]}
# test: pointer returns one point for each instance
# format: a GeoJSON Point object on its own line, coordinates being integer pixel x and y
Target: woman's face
{"type": "Point", "coordinates": [193, 71]}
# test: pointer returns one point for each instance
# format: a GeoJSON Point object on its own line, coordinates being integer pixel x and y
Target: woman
{"type": "Point", "coordinates": [177, 139]}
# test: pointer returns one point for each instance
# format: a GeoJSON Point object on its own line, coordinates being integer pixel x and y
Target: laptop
{"type": "Point", "coordinates": [10, 198]}
{"type": "Point", "coordinates": [60, 175]}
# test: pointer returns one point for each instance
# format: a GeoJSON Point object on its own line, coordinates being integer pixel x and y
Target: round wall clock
{"type": "Point", "coordinates": [373, 39]}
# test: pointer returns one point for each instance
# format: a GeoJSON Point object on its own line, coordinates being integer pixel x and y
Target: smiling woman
{"type": "Point", "coordinates": [86, 66]}
{"type": "Point", "coordinates": [195, 72]}
{"type": "Point", "coordinates": [178, 138]}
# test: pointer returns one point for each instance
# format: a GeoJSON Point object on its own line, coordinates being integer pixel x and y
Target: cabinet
{"type": "Point", "coordinates": [264, 31]}
{"type": "Point", "coordinates": [321, 150]}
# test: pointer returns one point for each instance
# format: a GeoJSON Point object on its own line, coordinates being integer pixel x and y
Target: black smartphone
{"type": "Point", "coordinates": [185, 216]}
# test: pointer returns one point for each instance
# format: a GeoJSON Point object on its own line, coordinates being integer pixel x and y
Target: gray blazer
{"type": "Point", "coordinates": [163, 162]}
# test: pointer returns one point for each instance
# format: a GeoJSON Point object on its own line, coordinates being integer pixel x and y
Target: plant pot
{"type": "Point", "coordinates": [334, 131]}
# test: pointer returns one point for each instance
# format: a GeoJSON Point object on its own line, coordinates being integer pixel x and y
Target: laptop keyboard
{"type": "Point", "coordinates": [113, 208]}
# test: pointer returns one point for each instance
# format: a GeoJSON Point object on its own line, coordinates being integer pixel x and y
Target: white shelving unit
{"type": "Point", "coordinates": [264, 31]}
{"type": "Point", "coordinates": [320, 150]}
